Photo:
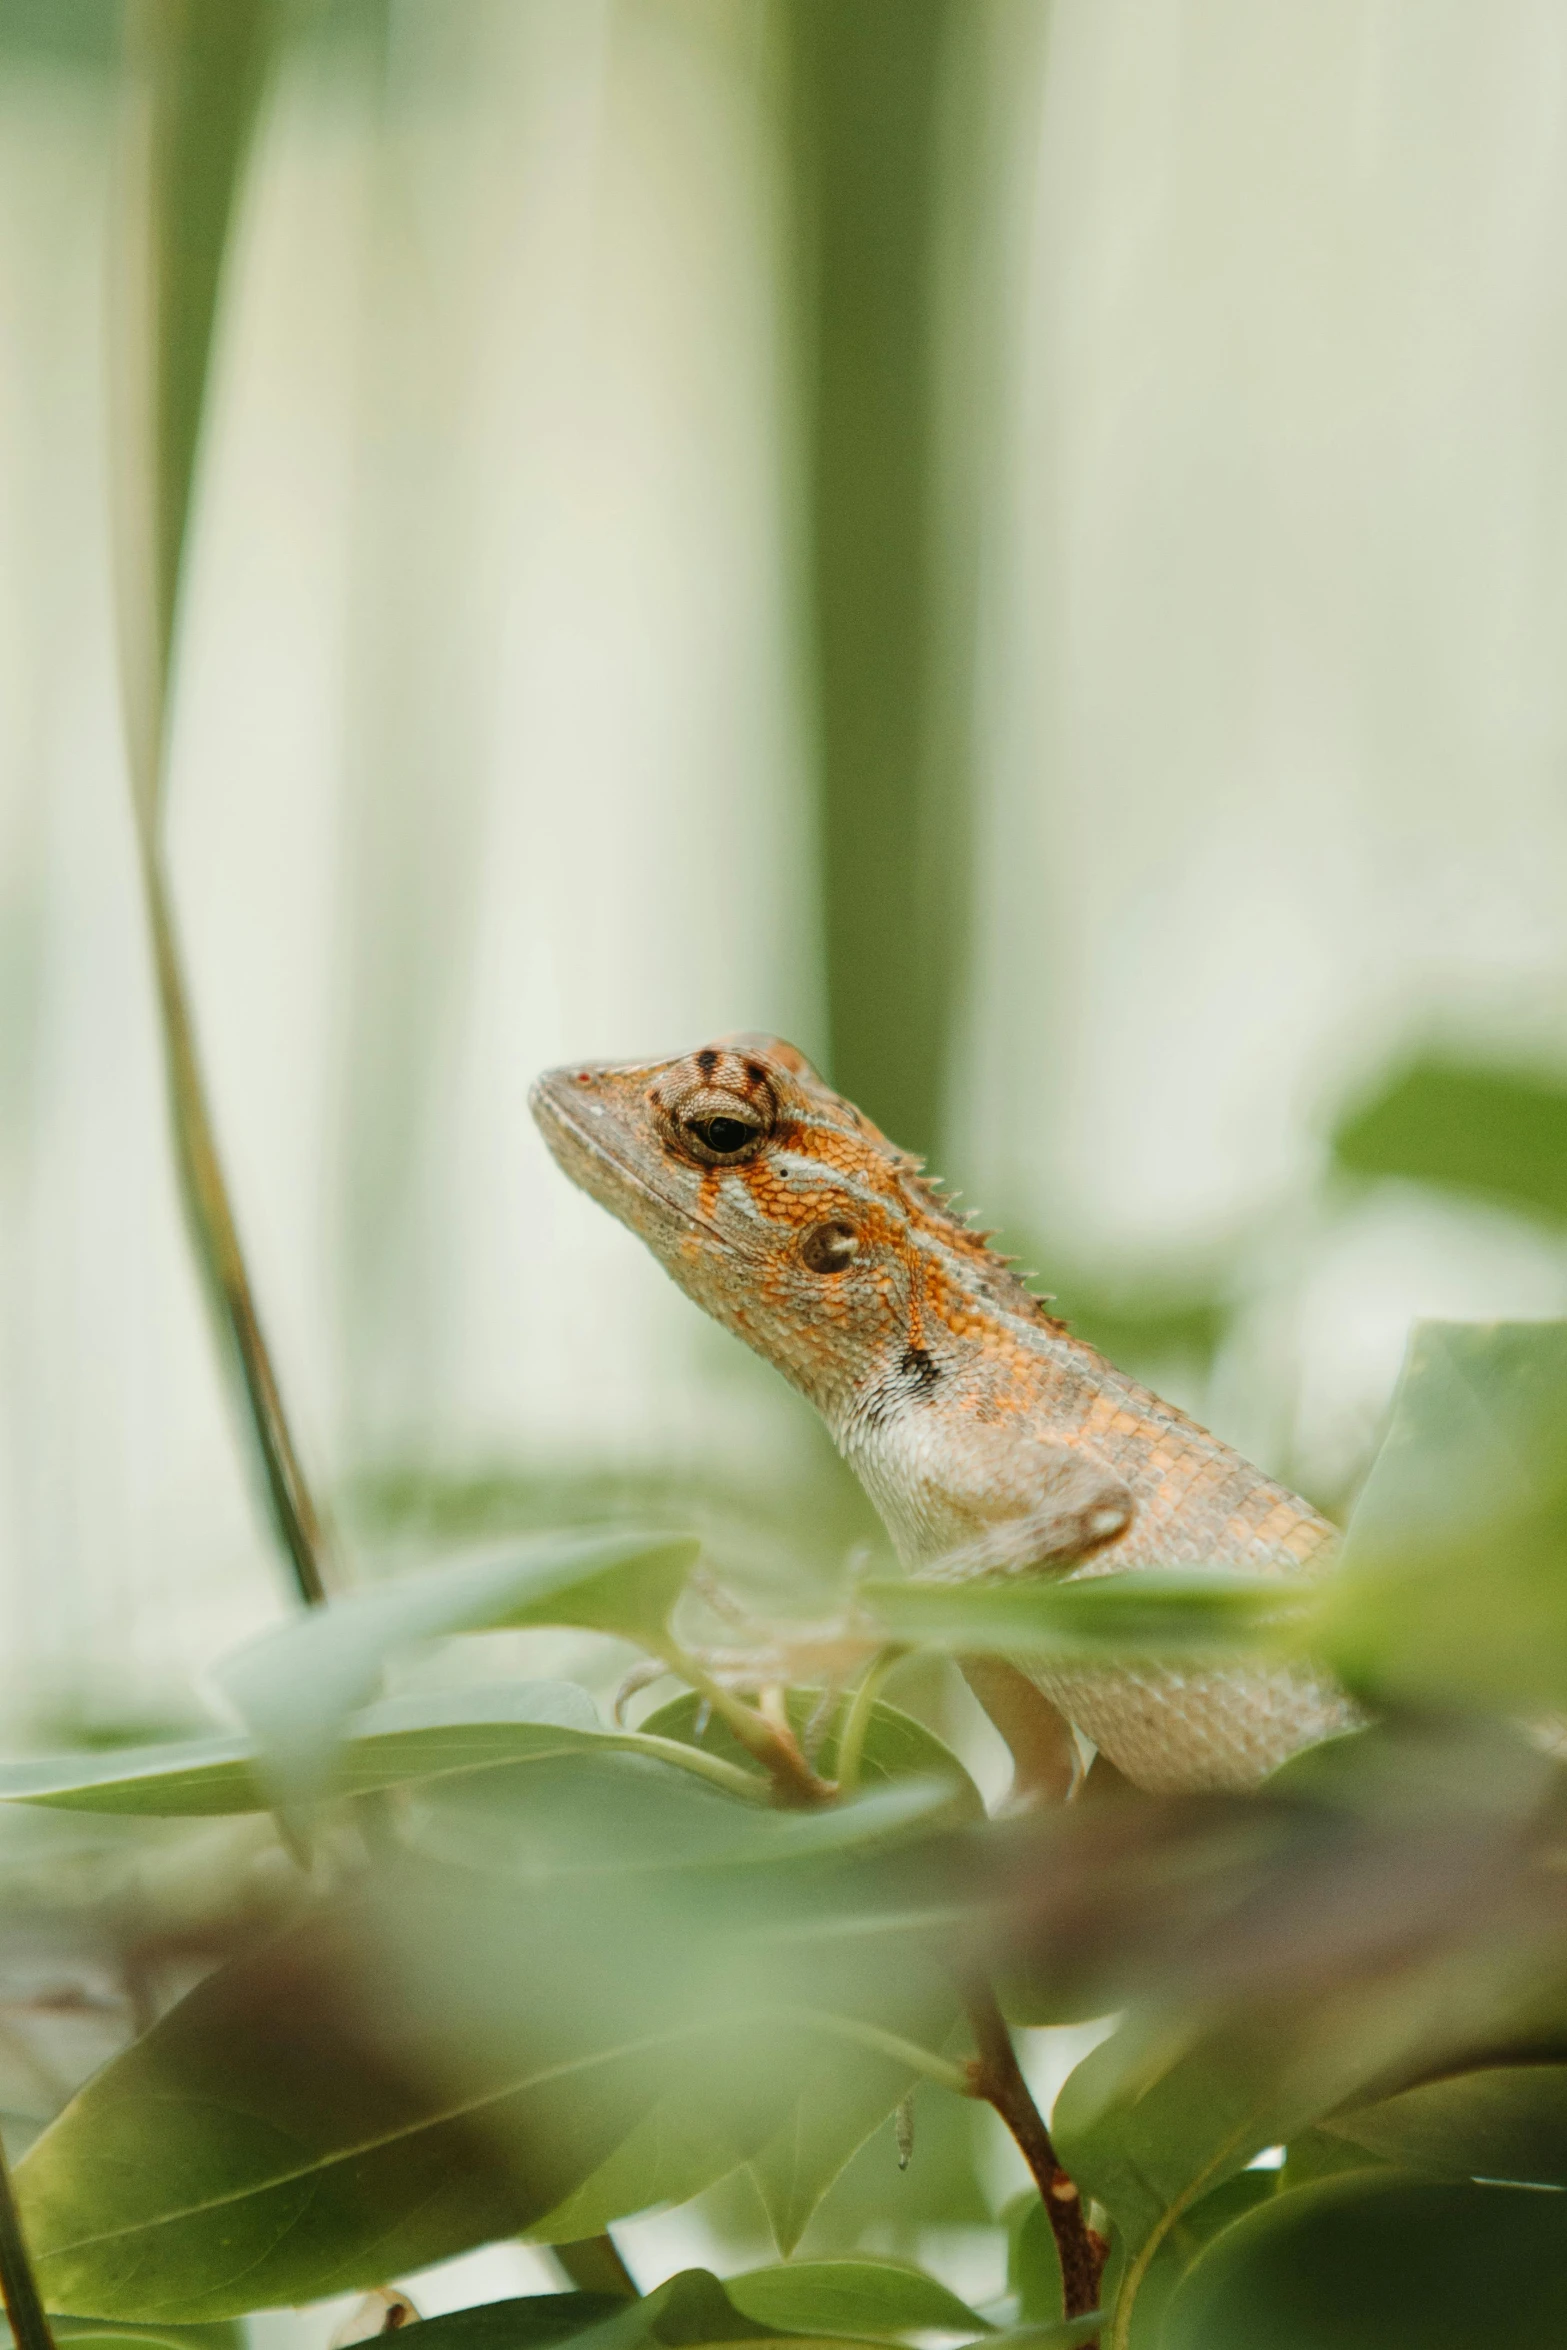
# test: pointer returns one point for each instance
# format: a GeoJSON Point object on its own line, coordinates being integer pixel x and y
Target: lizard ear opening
{"type": "Point", "coordinates": [830, 1248]}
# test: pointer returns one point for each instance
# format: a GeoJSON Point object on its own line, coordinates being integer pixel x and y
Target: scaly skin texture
{"type": "Point", "coordinates": [989, 1438]}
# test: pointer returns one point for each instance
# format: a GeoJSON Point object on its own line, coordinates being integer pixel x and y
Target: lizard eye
{"type": "Point", "coordinates": [723, 1135]}
{"type": "Point", "coordinates": [828, 1248]}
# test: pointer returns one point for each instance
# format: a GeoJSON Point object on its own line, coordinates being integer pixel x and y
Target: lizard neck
{"type": "Point", "coordinates": [922, 1435]}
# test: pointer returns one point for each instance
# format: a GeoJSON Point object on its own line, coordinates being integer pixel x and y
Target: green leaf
{"type": "Point", "coordinates": [538, 2322]}
{"type": "Point", "coordinates": [1150, 2129]}
{"type": "Point", "coordinates": [1500, 2122]}
{"type": "Point", "coordinates": [302, 2123]}
{"type": "Point", "coordinates": [1314, 2154]}
{"type": "Point", "coordinates": [850, 2297]}
{"type": "Point", "coordinates": [690, 2309]}
{"type": "Point", "coordinates": [839, 2103]}
{"type": "Point", "coordinates": [1380, 2262]}
{"type": "Point", "coordinates": [682, 2145]}
{"type": "Point", "coordinates": [1501, 1134]}
{"type": "Point", "coordinates": [426, 1736]}
{"type": "Point", "coordinates": [192, 1778]}
{"type": "Point", "coordinates": [453, 2048]}
{"type": "Point", "coordinates": [1033, 2264]}
{"type": "Point", "coordinates": [1181, 2243]}
{"type": "Point", "coordinates": [1453, 1584]}
{"type": "Point", "coordinates": [843, 2093]}
{"type": "Point", "coordinates": [104, 2336]}
{"type": "Point", "coordinates": [1155, 1614]}
{"type": "Point", "coordinates": [1070, 2333]}
{"type": "Point", "coordinates": [205, 68]}
{"type": "Point", "coordinates": [1150, 2126]}
{"type": "Point", "coordinates": [296, 1684]}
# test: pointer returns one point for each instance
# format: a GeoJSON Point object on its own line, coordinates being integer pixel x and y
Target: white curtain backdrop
{"type": "Point", "coordinates": [495, 731]}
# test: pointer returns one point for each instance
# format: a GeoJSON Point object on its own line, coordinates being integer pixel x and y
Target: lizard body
{"type": "Point", "coordinates": [989, 1438]}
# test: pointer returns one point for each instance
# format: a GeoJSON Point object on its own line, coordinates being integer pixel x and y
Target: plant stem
{"type": "Point", "coordinates": [218, 1251]}
{"type": "Point", "coordinates": [851, 1743]}
{"type": "Point", "coordinates": [696, 1759]}
{"type": "Point", "coordinates": [794, 1781]}
{"type": "Point", "coordinates": [996, 2076]}
{"type": "Point", "coordinates": [18, 2285]}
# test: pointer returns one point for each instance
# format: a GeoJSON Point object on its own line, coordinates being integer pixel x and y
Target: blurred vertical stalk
{"type": "Point", "coordinates": [867, 83]}
{"type": "Point", "coordinates": [24, 2307]}
{"type": "Point", "coordinates": [193, 76]}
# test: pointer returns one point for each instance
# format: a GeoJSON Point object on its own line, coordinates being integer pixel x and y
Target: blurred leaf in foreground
{"type": "Point", "coordinates": [1144, 1616]}
{"type": "Point", "coordinates": [419, 1737]}
{"type": "Point", "coordinates": [1378, 2262]}
{"type": "Point", "coordinates": [453, 2047]}
{"type": "Point", "coordinates": [1498, 2122]}
{"type": "Point", "coordinates": [1453, 1584]}
{"type": "Point", "coordinates": [296, 1684]}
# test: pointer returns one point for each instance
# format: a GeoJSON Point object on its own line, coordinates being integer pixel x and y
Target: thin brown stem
{"type": "Point", "coordinates": [997, 2077]}
{"type": "Point", "coordinates": [18, 2285]}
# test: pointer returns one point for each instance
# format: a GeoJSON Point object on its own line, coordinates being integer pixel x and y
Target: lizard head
{"type": "Point", "coordinates": [783, 1211]}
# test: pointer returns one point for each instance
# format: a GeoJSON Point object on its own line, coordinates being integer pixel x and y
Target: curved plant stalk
{"type": "Point", "coordinates": [210, 1214]}
{"type": "Point", "coordinates": [24, 2307]}
{"type": "Point", "coordinates": [193, 79]}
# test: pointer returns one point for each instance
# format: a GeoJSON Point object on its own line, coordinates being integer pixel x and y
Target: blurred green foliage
{"type": "Point", "coordinates": [1498, 1133]}
{"type": "Point", "coordinates": [569, 1976]}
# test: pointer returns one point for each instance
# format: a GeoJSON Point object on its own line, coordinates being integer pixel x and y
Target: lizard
{"type": "Point", "coordinates": [990, 1439]}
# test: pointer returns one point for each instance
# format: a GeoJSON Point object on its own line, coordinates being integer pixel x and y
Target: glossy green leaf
{"type": "Point", "coordinates": [297, 1683]}
{"type": "Point", "coordinates": [1150, 2126]}
{"type": "Point", "coordinates": [1506, 2122]}
{"type": "Point", "coordinates": [1154, 1614]}
{"type": "Point", "coordinates": [690, 2309]}
{"type": "Point", "coordinates": [1149, 2129]}
{"type": "Point", "coordinates": [1380, 2262]}
{"type": "Point", "coordinates": [1179, 2246]}
{"type": "Point", "coordinates": [1454, 1579]}
{"type": "Point", "coordinates": [850, 2297]}
{"type": "Point", "coordinates": [1499, 1133]}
